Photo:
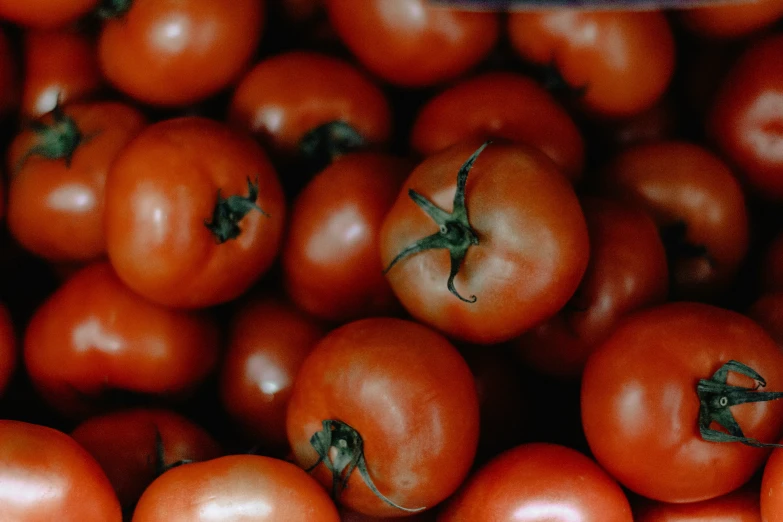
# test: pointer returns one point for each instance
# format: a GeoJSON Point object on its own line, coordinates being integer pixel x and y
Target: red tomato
{"type": "Point", "coordinates": [45, 13]}
{"type": "Point", "coordinates": [650, 425]}
{"type": "Point", "coordinates": [622, 60]}
{"type": "Point", "coordinates": [539, 482]}
{"type": "Point", "coordinates": [59, 169]}
{"type": "Point", "coordinates": [699, 205]}
{"type": "Point", "coordinates": [8, 355]}
{"type": "Point", "coordinates": [767, 310]}
{"type": "Point", "coordinates": [500, 105]}
{"type": "Point", "coordinates": [732, 21]}
{"type": "Point", "coordinates": [391, 407]}
{"type": "Point", "coordinates": [627, 271]}
{"type": "Point", "coordinates": [658, 123]}
{"type": "Point", "coordinates": [175, 52]}
{"type": "Point", "coordinates": [135, 446]}
{"type": "Point", "coordinates": [412, 43]}
{"type": "Point", "coordinates": [739, 506]}
{"type": "Point", "coordinates": [330, 257]}
{"type": "Point", "coordinates": [746, 119]}
{"type": "Point", "coordinates": [45, 475]}
{"type": "Point", "coordinates": [195, 213]}
{"type": "Point", "coordinates": [236, 488]}
{"type": "Point", "coordinates": [267, 342]}
{"type": "Point", "coordinates": [514, 233]}
{"type": "Point", "coordinates": [94, 335]}
{"type": "Point", "coordinates": [772, 488]}
{"type": "Point", "coordinates": [59, 67]}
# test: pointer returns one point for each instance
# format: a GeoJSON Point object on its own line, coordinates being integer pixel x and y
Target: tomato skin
{"type": "Point", "coordinates": [515, 198]}
{"type": "Point", "coordinates": [772, 488]}
{"type": "Point", "coordinates": [767, 310]}
{"type": "Point", "coordinates": [410, 43]}
{"type": "Point", "coordinates": [94, 335]}
{"type": "Point", "coordinates": [173, 53]}
{"type": "Point", "coordinates": [236, 488]}
{"type": "Point", "coordinates": [625, 60]}
{"type": "Point", "coordinates": [500, 105]}
{"type": "Point", "coordinates": [411, 397]}
{"type": "Point", "coordinates": [739, 506]}
{"type": "Point", "coordinates": [268, 341]}
{"type": "Point", "coordinates": [8, 348]}
{"type": "Point", "coordinates": [732, 21]}
{"type": "Point", "coordinates": [627, 271]}
{"type": "Point", "coordinates": [640, 408]}
{"type": "Point", "coordinates": [539, 482]}
{"type": "Point", "coordinates": [747, 116]}
{"type": "Point", "coordinates": [56, 209]}
{"type": "Point", "coordinates": [45, 14]}
{"type": "Point", "coordinates": [46, 475]}
{"type": "Point", "coordinates": [161, 191]}
{"type": "Point", "coordinates": [330, 257]}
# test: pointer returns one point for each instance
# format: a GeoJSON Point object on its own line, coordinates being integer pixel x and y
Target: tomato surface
{"type": "Point", "coordinates": [8, 348]}
{"type": "Point", "coordinates": [767, 310]}
{"type": "Point", "coordinates": [772, 488]}
{"type": "Point", "coordinates": [739, 506]}
{"type": "Point", "coordinates": [732, 21]}
{"type": "Point", "coordinates": [45, 13]}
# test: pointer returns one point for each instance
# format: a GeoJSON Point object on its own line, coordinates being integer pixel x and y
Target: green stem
{"type": "Point", "coordinates": [228, 212]}
{"type": "Point", "coordinates": [56, 140]}
{"type": "Point", "coordinates": [112, 9]}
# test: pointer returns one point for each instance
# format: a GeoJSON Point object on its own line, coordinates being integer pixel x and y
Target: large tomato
{"type": "Point", "coordinates": [738, 506]}
{"type": "Point", "coordinates": [669, 398]}
{"type": "Point", "coordinates": [45, 13]}
{"type": "Point", "coordinates": [484, 243]}
{"type": "Point", "coordinates": [194, 213]}
{"type": "Point", "coordinates": [384, 412]}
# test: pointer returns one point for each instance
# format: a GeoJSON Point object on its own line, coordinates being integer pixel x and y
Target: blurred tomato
{"type": "Point", "coordinates": [732, 20]}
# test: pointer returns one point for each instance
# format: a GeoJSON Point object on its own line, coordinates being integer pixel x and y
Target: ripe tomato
{"type": "Point", "coordinates": [194, 213]}
{"type": "Point", "coordinates": [45, 475]}
{"type": "Point", "coordinates": [657, 432]}
{"type": "Point", "coordinates": [135, 446]}
{"type": "Point", "coordinates": [747, 117]}
{"type": "Point", "coordinates": [500, 105]}
{"type": "Point", "coordinates": [175, 52]}
{"type": "Point", "coordinates": [412, 43]}
{"type": "Point", "coordinates": [539, 482]}
{"type": "Point", "coordinates": [59, 67]}
{"type": "Point", "coordinates": [772, 488]}
{"type": "Point", "coordinates": [699, 205]}
{"type": "Point", "coordinates": [658, 123]}
{"type": "Point", "coordinates": [94, 336]}
{"type": "Point", "coordinates": [513, 234]}
{"type": "Point", "coordinates": [739, 506]}
{"type": "Point", "coordinates": [623, 61]}
{"type": "Point", "coordinates": [267, 342]}
{"type": "Point", "coordinates": [384, 411]}
{"type": "Point", "coordinates": [732, 20]}
{"type": "Point", "coordinates": [58, 175]}
{"type": "Point", "coordinates": [627, 271]}
{"type": "Point", "coordinates": [8, 355]}
{"type": "Point", "coordinates": [767, 310]}
{"type": "Point", "coordinates": [330, 257]}
{"type": "Point", "coordinates": [235, 488]}
{"type": "Point", "coordinates": [45, 13]}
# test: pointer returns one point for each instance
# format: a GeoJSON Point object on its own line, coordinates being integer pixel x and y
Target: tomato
{"type": "Point", "coordinates": [45, 13]}
{"type": "Point", "coordinates": [658, 413]}
{"type": "Point", "coordinates": [658, 123]}
{"type": "Point", "coordinates": [622, 61]}
{"type": "Point", "coordinates": [194, 213]}
{"type": "Point", "coordinates": [330, 257]}
{"type": "Point", "coordinates": [234, 488]}
{"type": "Point", "coordinates": [539, 482]}
{"type": "Point", "coordinates": [732, 21]}
{"type": "Point", "coordinates": [175, 52]}
{"type": "Point", "coordinates": [94, 336]}
{"type": "Point", "coordinates": [59, 67]}
{"type": "Point", "coordinates": [627, 271]}
{"type": "Point", "coordinates": [772, 488]}
{"type": "Point", "coordinates": [411, 43]}
{"type": "Point", "coordinates": [746, 119]}
{"type": "Point", "coordinates": [739, 506]}
{"type": "Point", "coordinates": [390, 407]}
{"type": "Point", "coordinates": [267, 342]}
{"type": "Point", "coordinates": [699, 205]}
{"type": "Point", "coordinates": [8, 355]}
{"type": "Point", "coordinates": [767, 310]}
{"type": "Point", "coordinates": [500, 105]}
{"type": "Point", "coordinates": [58, 175]}
{"type": "Point", "coordinates": [135, 446]}
{"type": "Point", "coordinates": [45, 475]}
{"type": "Point", "coordinates": [511, 243]}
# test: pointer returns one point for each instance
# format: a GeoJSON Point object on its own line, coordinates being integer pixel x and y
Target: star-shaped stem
{"type": "Point", "coordinates": [228, 212]}
{"type": "Point", "coordinates": [56, 140]}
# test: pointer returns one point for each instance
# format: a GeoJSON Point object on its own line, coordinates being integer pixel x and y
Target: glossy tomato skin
{"type": "Point", "coordinates": [772, 488]}
{"type": "Point", "coordinates": [46, 475]}
{"type": "Point", "coordinates": [738, 506]}
{"type": "Point", "coordinates": [623, 60]}
{"type": "Point", "coordinates": [747, 115]}
{"type": "Point", "coordinates": [56, 207]}
{"type": "Point", "coordinates": [268, 341]}
{"type": "Point", "coordinates": [683, 184]}
{"type": "Point", "coordinates": [8, 348]}
{"type": "Point", "coordinates": [161, 193]}
{"type": "Point", "coordinates": [640, 409]}
{"type": "Point", "coordinates": [732, 21]}
{"type": "Point", "coordinates": [45, 13]}
{"type": "Point", "coordinates": [94, 336]}
{"type": "Point", "coordinates": [330, 259]}
{"type": "Point", "coordinates": [408, 393]}
{"type": "Point", "coordinates": [173, 53]}
{"type": "Point", "coordinates": [627, 271]}
{"type": "Point", "coordinates": [532, 252]}
{"type": "Point", "coordinates": [500, 105]}
{"type": "Point", "coordinates": [125, 443]}
{"type": "Point", "coordinates": [410, 43]}
{"type": "Point", "coordinates": [539, 482]}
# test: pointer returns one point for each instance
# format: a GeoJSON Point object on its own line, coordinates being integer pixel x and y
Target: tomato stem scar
{"type": "Point", "coordinates": [113, 8]}
{"type": "Point", "coordinates": [325, 143]}
{"type": "Point", "coordinates": [58, 140]}
{"type": "Point", "coordinates": [230, 211]}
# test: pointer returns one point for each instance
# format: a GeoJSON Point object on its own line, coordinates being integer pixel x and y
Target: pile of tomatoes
{"type": "Point", "coordinates": [324, 260]}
